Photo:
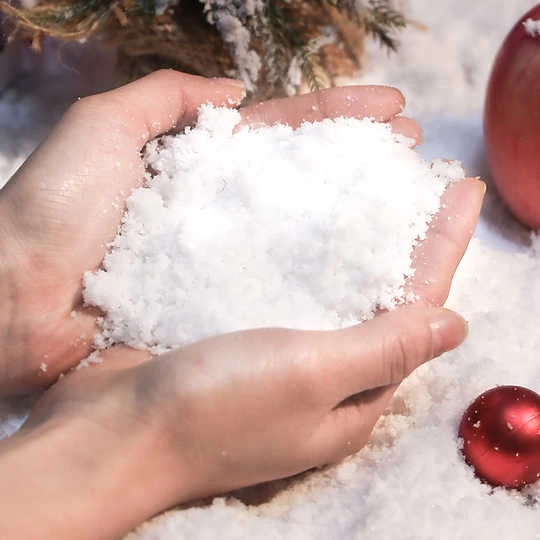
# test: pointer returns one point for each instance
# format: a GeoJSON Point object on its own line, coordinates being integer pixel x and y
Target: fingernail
{"type": "Point", "coordinates": [482, 187]}
{"type": "Point", "coordinates": [448, 330]}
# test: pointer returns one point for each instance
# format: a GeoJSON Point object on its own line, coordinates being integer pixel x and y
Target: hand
{"type": "Point", "coordinates": [64, 205]}
{"type": "Point", "coordinates": [233, 410]}
{"type": "Point", "coordinates": [224, 413]}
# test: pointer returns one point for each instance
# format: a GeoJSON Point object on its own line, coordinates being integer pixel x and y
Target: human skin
{"type": "Point", "coordinates": [111, 445]}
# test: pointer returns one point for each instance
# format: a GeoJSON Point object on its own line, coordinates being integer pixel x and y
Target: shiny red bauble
{"type": "Point", "coordinates": [501, 436]}
{"type": "Point", "coordinates": [512, 122]}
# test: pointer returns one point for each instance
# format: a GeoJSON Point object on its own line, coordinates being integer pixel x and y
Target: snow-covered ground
{"type": "Point", "coordinates": [410, 482]}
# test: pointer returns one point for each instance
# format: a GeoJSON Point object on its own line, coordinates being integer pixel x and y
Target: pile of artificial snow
{"type": "Point", "coordinates": [309, 228]}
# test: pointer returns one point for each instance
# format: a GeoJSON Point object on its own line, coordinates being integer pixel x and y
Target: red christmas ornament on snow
{"type": "Point", "coordinates": [501, 436]}
{"type": "Point", "coordinates": [511, 126]}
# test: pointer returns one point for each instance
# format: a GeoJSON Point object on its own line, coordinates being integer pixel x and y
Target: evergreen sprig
{"type": "Point", "coordinates": [348, 7]}
{"type": "Point", "coordinates": [277, 41]}
{"type": "Point", "coordinates": [310, 64]}
{"type": "Point", "coordinates": [277, 31]}
{"type": "Point", "coordinates": [285, 38]}
{"type": "Point", "coordinates": [381, 20]}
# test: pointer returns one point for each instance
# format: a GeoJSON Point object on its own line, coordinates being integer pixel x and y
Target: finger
{"type": "Point", "coordinates": [436, 258]}
{"type": "Point", "coordinates": [378, 102]}
{"type": "Point", "coordinates": [161, 101]}
{"type": "Point", "coordinates": [384, 350]}
{"type": "Point", "coordinates": [100, 130]}
{"type": "Point", "coordinates": [408, 128]}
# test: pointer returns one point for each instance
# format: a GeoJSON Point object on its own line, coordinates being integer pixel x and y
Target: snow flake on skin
{"type": "Point", "coordinates": [532, 27]}
{"type": "Point", "coordinates": [90, 360]}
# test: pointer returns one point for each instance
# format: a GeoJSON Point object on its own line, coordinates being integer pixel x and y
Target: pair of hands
{"type": "Point", "coordinates": [214, 416]}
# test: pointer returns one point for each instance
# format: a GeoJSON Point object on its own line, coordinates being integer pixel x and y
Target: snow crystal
{"type": "Point", "coordinates": [535, 242]}
{"type": "Point", "coordinates": [532, 27]}
{"type": "Point", "coordinates": [228, 19]}
{"type": "Point", "coordinates": [309, 228]}
{"type": "Point", "coordinates": [90, 360]}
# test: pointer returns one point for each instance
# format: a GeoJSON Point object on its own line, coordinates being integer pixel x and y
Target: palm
{"type": "Point", "coordinates": [63, 207]}
{"type": "Point", "coordinates": [74, 214]}
{"type": "Point", "coordinates": [435, 261]}
{"type": "Point", "coordinates": [330, 405]}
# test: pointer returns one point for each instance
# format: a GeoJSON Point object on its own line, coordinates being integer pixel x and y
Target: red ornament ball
{"type": "Point", "coordinates": [511, 121]}
{"type": "Point", "coordinates": [501, 436]}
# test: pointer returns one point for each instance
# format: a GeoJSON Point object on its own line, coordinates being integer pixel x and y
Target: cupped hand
{"type": "Point", "coordinates": [136, 435]}
{"type": "Point", "coordinates": [246, 407]}
{"type": "Point", "coordinates": [62, 208]}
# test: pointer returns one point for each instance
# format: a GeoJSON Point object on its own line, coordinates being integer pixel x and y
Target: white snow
{"type": "Point", "coordinates": [532, 27]}
{"type": "Point", "coordinates": [410, 483]}
{"type": "Point", "coordinates": [228, 18]}
{"type": "Point", "coordinates": [311, 228]}
{"type": "Point", "coordinates": [90, 360]}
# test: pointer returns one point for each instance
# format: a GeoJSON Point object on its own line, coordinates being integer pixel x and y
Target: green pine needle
{"type": "Point", "coordinates": [381, 20]}
{"type": "Point", "coordinates": [310, 65]}
{"type": "Point", "coordinates": [277, 32]}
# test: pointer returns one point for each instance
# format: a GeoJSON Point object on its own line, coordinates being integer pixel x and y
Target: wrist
{"type": "Point", "coordinates": [73, 486]}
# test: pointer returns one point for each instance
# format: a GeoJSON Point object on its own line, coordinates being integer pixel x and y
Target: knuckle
{"type": "Point", "coordinates": [92, 108]}
{"type": "Point", "coordinates": [106, 114]}
{"type": "Point", "coordinates": [405, 351]}
{"type": "Point", "coordinates": [77, 108]}
{"type": "Point", "coordinates": [399, 352]}
{"type": "Point", "coordinates": [88, 103]}
{"type": "Point", "coordinates": [163, 73]}
{"type": "Point", "coordinates": [398, 95]}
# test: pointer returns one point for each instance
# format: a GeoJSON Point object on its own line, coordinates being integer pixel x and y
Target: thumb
{"type": "Point", "coordinates": [386, 349]}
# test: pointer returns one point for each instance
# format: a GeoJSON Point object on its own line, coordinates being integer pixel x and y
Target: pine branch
{"type": "Point", "coordinates": [284, 37]}
{"type": "Point", "coordinates": [278, 43]}
{"type": "Point", "coordinates": [380, 20]}
{"type": "Point", "coordinates": [310, 64]}
{"type": "Point", "coordinates": [348, 7]}
{"type": "Point", "coordinates": [66, 19]}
